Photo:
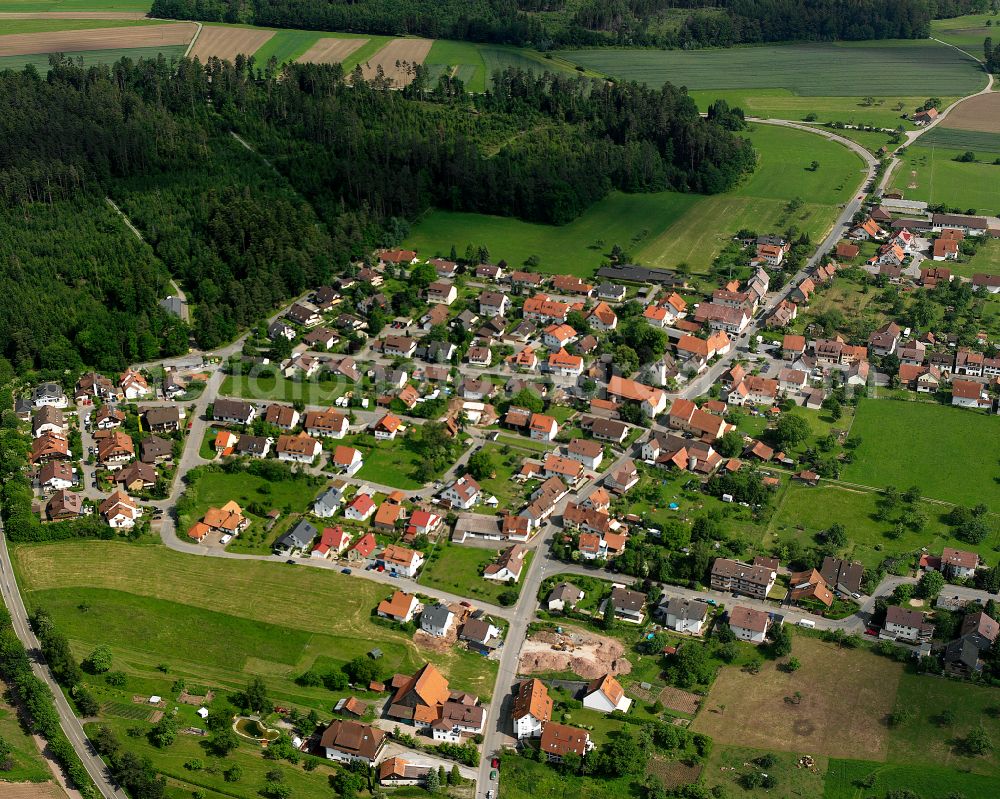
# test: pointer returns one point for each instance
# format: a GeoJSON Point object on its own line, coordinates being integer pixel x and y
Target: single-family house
{"type": "Point", "coordinates": [532, 708]}
{"type": "Point", "coordinates": [749, 624]}
{"type": "Point", "coordinates": [400, 607]}
{"type": "Point", "coordinates": [301, 448]}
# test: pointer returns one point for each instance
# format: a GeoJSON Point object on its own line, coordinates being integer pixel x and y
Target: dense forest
{"type": "Point", "coordinates": [658, 23]}
{"type": "Point", "coordinates": [334, 167]}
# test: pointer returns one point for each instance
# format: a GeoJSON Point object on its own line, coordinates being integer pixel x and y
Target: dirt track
{"type": "Point", "coordinates": [977, 113]}
{"type": "Point", "coordinates": [405, 53]}
{"type": "Point", "coordinates": [588, 655]}
{"type": "Point", "coordinates": [227, 43]}
{"type": "Point", "coordinates": [97, 39]}
{"type": "Point", "coordinates": [71, 15]}
{"type": "Point", "coordinates": [330, 50]}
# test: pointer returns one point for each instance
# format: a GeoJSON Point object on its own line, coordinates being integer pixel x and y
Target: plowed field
{"type": "Point", "coordinates": [397, 59]}
{"type": "Point", "coordinates": [227, 43]}
{"type": "Point", "coordinates": [97, 39]}
{"type": "Point", "coordinates": [331, 51]}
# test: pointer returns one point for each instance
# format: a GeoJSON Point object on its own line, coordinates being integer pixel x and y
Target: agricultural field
{"type": "Point", "coordinates": [980, 113]}
{"type": "Point", "coordinates": [966, 32]}
{"type": "Point", "coordinates": [74, 6]}
{"type": "Point", "coordinates": [932, 174]}
{"type": "Point", "coordinates": [906, 68]}
{"type": "Point", "coordinates": [101, 38]}
{"type": "Point", "coordinates": [912, 443]}
{"type": "Point", "coordinates": [667, 228]}
{"type": "Point", "coordinates": [577, 248]}
{"type": "Point", "coordinates": [463, 60]}
{"type": "Point", "coordinates": [396, 60]}
{"type": "Point", "coordinates": [330, 50]}
{"type": "Point", "coordinates": [48, 25]}
{"type": "Point", "coordinates": [821, 722]}
{"type": "Point", "coordinates": [218, 622]}
{"type": "Point", "coordinates": [763, 202]}
{"type": "Point", "coordinates": [92, 57]}
{"type": "Point", "coordinates": [881, 111]}
{"type": "Point", "coordinates": [458, 569]}
{"type": "Point", "coordinates": [226, 42]}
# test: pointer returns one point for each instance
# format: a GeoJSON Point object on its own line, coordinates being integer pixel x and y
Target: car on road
{"type": "Point", "coordinates": [489, 795]}
{"type": "Point", "coordinates": [495, 762]}
{"type": "Point", "coordinates": [493, 774]}
{"type": "Point", "coordinates": [345, 570]}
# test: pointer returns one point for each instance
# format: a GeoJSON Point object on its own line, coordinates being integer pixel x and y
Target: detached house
{"type": "Point", "coordinates": [543, 427]}
{"type": "Point", "coordinates": [749, 624]}
{"type": "Point", "coordinates": [284, 417]}
{"type": "Point", "coordinates": [908, 625]}
{"type": "Point", "coordinates": [508, 565]}
{"type": "Point", "coordinates": [605, 694]}
{"type": "Point", "coordinates": [162, 420]}
{"type": "Point", "coordinates": [493, 304]}
{"type": "Point", "coordinates": [559, 740]}
{"type": "Point", "coordinates": [532, 708]}
{"type": "Point", "coordinates": [120, 511]}
{"type": "Point", "coordinates": [602, 317]}
{"type": "Point", "coordinates": [464, 493]}
{"type": "Point", "coordinates": [134, 385]}
{"type": "Point", "coordinates": [441, 292]}
{"type": "Point", "coordinates": [115, 450]}
{"type": "Point", "coordinates": [957, 564]}
{"type": "Point", "coordinates": [301, 448]}
{"type": "Point", "coordinates": [652, 401]}
{"type": "Point", "coordinates": [385, 429]}
{"type": "Point", "coordinates": [233, 411]}
{"type": "Point", "coordinates": [969, 394]}
{"type": "Point", "coordinates": [348, 741]}
{"type": "Point", "coordinates": [685, 615]}
{"type": "Point", "coordinates": [305, 314]}
{"type": "Point", "coordinates": [326, 424]}
{"type": "Point", "coordinates": [400, 607]}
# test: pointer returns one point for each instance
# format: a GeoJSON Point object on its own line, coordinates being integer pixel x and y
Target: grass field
{"type": "Point", "coordinates": [393, 463]}
{"type": "Point", "coordinates": [757, 714]}
{"type": "Point", "coordinates": [667, 228]}
{"type": "Point", "coordinates": [276, 387]}
{"type": "Point", "coordinates": [804, 511]}
{"type": "Point", "coordinates": [463, 59]}
{"type": "Point", "coordinates": [760, 202]}
{"type": "Point", "coordinates": [819, 69]}
{"type": "Point", "coordinates": [933, 175]}
{"type": "Point", "coordinates": [459, 570]}
{"type": "Point", "coordinates": [925, 736]}
{"type": "Point", "coordinates": [906, 444]}
{"type": "Point", "coordinates": [844, 778]}
{"type": "Point", "coordinates": [785, 104]}
{"type": "Point", "coordinates": [15, 26]}
{"type": "Point", "coordinates": [28, 765]}
{"type": "Point", "coordinates": [528, 779]}
{"type": "Point", "coordinates": [726, 766]}
{"type": "Point", "coordinates": [11, 6]}
{"type": "Point", "coordinates": [986, 260]}
{"type": "Point", "coordinates": [576, 248]}
{"type": "Point", "coordinates": [92, 57]}
{"type": "Point", "coordinates": [967, 32]}
{"type": "Point", "coordinates": [217, 621]}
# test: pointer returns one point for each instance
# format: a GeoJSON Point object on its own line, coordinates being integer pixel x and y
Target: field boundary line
{"type": "Point", "coordinates": [194, 39]}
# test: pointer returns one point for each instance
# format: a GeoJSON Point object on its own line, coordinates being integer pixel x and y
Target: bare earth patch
{"type": "Point", "coordinates": [583, 653]}
{"type": "Point", "coordinates": [31, 790]}
{"type": "Point", "coordinates": [977, 113]}
{"type": "Point", "coordinates": [330, 50]}
{"type": "Point", "coordinates": [845, 698]}
{"type": "Point", "coordinates": [227, 43]}
{"type": "Point", "coordinates": [397, 59]}
{"type": "Point", "coordinates": [681, 701]}
{"type": "Point", "coordinates": [97, 39]}
{"type": "Point", "coordinates": [673, 773]}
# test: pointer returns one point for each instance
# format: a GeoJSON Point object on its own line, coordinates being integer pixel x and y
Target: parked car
{"type": "Point", "coordinates": [345, 570]}
{"type": "Point", "coordinates": [495, 762]}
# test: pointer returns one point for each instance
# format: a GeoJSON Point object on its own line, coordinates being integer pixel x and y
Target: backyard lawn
{"type": "Point", "coordinates": [951, 453]}
{"type": "Point", "coordinates": [510, 495]}
{"type": "Point", "coordinates": [276, 387]}
{"type": "Point", "coordinates": [215, 489]}
{"type": "Point", "coordinates": [458, 568]}
{"type": "Point", "coordinates": [393, 463]}
{"type": "Point", "coordinates": [219, 621]}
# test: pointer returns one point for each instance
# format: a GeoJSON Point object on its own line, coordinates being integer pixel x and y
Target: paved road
{"type": "Point", "coordinates": [67, 719]}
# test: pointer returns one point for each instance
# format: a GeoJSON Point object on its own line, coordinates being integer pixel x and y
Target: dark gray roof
{"type": "Point", "coordinates": [640, 274]}
{"type": "Point", "coordinates": [47, 390]}
{"type": "Point", "coordinates": [231, 409]}
{"type": "Point", "coordinates": [153, 447]}
{"type": "Point", "coordinates": [686, 608]}
{"type": "Point", "coordinates": [434, 616]}
{"type": "Point", "coordinates": [299, 537]}
{"type": "Point", "coordinates": [251, 445]}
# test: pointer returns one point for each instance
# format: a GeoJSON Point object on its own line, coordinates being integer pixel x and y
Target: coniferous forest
{"type": "Point", "coordinates": [335, 167]}
{"type": "Point", "coordinates": [702, 23]}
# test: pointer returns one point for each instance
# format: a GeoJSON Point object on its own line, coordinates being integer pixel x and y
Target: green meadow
{"type": "Point", "coordinates": [667, 228]}
{"type": "Point", "coordinates": [932, 174]}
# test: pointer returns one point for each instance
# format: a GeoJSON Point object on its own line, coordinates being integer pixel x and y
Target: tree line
{"type": "Point", "coordinates": [709, 23]}
{"type": "Point", "coordinates": [342, 165]}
